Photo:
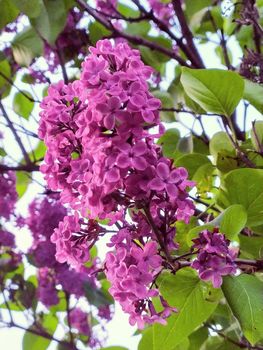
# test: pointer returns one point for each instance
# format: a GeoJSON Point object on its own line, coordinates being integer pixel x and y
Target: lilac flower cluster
{"type": "Point", "coordinates": [99, 148]}
{"type": "Point", "coordinates": [164, 11]}
{"type": "Point", "coordinates": [107, 7]}
{"type": "Point", "coordinates": [79, 320]}
{"type": "Point", "coordinates": [103, 158]}
{"type": "Point", "coordinates": [8, 194]}
{"type": "Point", "coordinates": [74, 237]}
{"type": "Point", "coordinates": [215, 259]}
{"type": "Point", "coordinates": [132, 271]}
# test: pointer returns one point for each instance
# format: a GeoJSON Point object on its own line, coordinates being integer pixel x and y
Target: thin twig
{"type": "Point", "coordinates": [17, 138]}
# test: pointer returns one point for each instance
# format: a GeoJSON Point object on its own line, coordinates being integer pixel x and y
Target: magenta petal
{"type": "Point", "coordinates": [102, 107]}
{"type": "Point", "coordinates": [109, 121]}
{"type": "Point", "coordinates": [172, 190]}
{"type": "Point", "coordinates": [114, 103]}
{"type": "Point", "coordinates": [174, 176]}
{"type": "Point", "coordinates": [156, 184]}
{"type": "Point", "coordinates": [139, 149]}
{"type": "Point", "coordinates": [148, 116]}
{"type": "Point", "coordinates": [123, 161]}
{"type": "Point", "coordinates": [153, 103]}
{"type": "Point", "coordinates": [137, 100]}
{"type": "Point", "coordinates": [113, 175]}
{"type": "Point", "coordinates": [163, 170]}
{"type": "Point", "coordinates": [139, 163]}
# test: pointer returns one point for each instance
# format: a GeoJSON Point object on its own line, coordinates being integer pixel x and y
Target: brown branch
{"type": "Point", "coordinates": [187, 34]}
{"type": "Point", "coordinates": [42, 334]}
{"type": "Point", "coordinates": [13, 130]}
{"type": "Point", "coordinates": [132, 39]}
{"type": "Point", "coordinates": [163, 27]}
{"type": "Point", "coordinates": [23, 167]}
{"type": "Point", "coordinates": [14, 85]}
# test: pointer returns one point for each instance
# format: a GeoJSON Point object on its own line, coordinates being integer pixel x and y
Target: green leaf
{"type": "Point", "coordinates": [98, 297]}
{"type": "Point", "coordinates": [141, 28]}
{"type": "Point", "coordinates": [146, 342]}
{"type": "Point", "coordinates": [253, 93]}
{"type": "Point", "coordinates": [35, 342]}
{"type": "Point", "coordinates": [31, 8]}
{"type": "Point", "coordinates": [169, 142]}
{"type": "Point", "coordinates": [167, 102]}
{"type": "Point", "coordinates": [192, 162]}
{"type": "Point", "coordinates": [220, 143]}
{"type": "Point", "coordinates": [198, 338]}
{"type": "Point", "coordinates": [257, 135]}
{"type": "Point", "coordinates": [2, 152]}
{"type": "Point", "coordinates": [22, 105]}
{"type": "Point", "coordinates": [251, 247]}
{"type": "Point", "coordinates": [22, 182]}
{"type": "Point", "coordinates": [51, 20]}
{"type": "Point", "coordinates": [216, 91]}
{"type": "Point", "coordinates": [231, 221]}
{"type": "Point", "coordinates": [195, 301]}
{"type": "Point", "coordinates": [9, 12]}
{"type": "Point", "coordinates": [244, 295]}
{"type": "Point", "coordinates": [245, 187]}
{"type": "Point", "coordinates": [127, 11]}
{"type": "Point", "coordinates": [26, 46]}
{"type": "Point", "coordinates": [39, 152]}
{"type": "Point", "coordinates": [6, 70]}
{"type": "Point", "coordinates": [185, 144]}
{"type": "Point", "coordinates": [97, 31]}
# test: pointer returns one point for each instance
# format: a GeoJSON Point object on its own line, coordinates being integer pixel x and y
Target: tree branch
{"type": "Point", "coordinates": [13, 130]}
{"type": "Point", "coordinates": [132, 39]}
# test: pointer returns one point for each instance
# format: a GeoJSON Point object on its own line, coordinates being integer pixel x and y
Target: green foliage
{"type": "Point", "coordinates": [23, 105]}
{"type": "Point", "coordinates": [215, 90]}
{"type": "Point", "coordinates": [167, 102]}
{"type": "Point", "coordinates": [195, 301]}
{"type": "Point", "coordinates": [33, 341]}
{"type": "Point", "coordinates": [245, 187]}
{"type": "Point", "coordinates": [253, 94]}
{"type": "Point", "coordinates": [97, 32]}
{"type": "Point", "coordinates": [31, 8]}
{"type": "Point", "coordinates": [51, 20]}
{"type": "Point", "coordinates": [9, 12]}
{"type": "Point", "coordinates": [192, 162]}
{"type": "Point", "coordinates": [98, 297]}
{"type": "Point", "coordinates": [22, 182]}
{"type": "Point", "coordinates": [169, 142]}
{"type": "Point", "coordinates": [244, 296]}
{"type": "Point", "coordinates": [26, 46]}
{"type": "Point", "coordinates": [5, 69]}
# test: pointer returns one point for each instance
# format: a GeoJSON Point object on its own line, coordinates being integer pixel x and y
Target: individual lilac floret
{"type": "Point", "coordinates": [215, 259]}
{"type": "Point", "coordinates": [47, 292]}
{"type": "Point", "coordinates": [79, 320]}
{"type": "Point", "coordinates": [7, 239]}
{"type": "Point", "coordinates": [8, 194]}
{"type": "Point", "coordinates": [163, 10]}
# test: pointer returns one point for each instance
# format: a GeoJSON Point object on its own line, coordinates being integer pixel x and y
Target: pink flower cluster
{"type": "Point", "coordinates": [100, 151]}
{"type": "Point", "coordinates": [162, 10]}
{"type": "Point", "coordinates": [103, 158]}
{"type": "Point", "coordinates": [132, 271]}
{"type": "Point", "coordinates": [74, 237]}
{"type": "Point", "coordinates": [79, 320]}
{"type": "Point", "coordinates": [215, 259]}
{"type": "Point", "coordinates": [107, 7]}
{"type": "Point", "coordinates": [8, 194]}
